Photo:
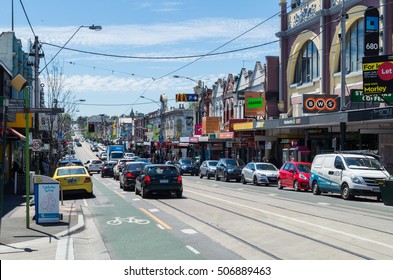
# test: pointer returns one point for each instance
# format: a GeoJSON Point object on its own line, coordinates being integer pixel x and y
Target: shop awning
{"type": "Point", "coordinates": [13, 132]}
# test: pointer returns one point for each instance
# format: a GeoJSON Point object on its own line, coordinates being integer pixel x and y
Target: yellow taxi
{"type": "Point", "coordinates": [73, 178]}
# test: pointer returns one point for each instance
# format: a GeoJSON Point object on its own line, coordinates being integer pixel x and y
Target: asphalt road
{"type": "Point", "coordinates": [228, 220]}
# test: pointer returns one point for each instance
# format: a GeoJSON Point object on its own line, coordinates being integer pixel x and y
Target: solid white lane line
{"type": "Point", "coordinates": [192, 250]}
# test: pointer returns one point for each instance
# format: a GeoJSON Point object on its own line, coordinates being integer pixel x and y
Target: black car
{"type": "Point", "coordinates": [107, 168]}
{"type": "Point", "coordinates": [187, 166]}
{"type": "Point", "coordinates": [229, 168]}
{"type": "Point", "coordinates": [69, 161]}
{"type": "Point", "coordinates": [128, 175]}
{"type": "Point", "coordinates": [158, 178]}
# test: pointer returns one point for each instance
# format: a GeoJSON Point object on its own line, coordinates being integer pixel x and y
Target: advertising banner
{"type": "Point", "coordinates": [255, 104]}
{"type": "Point", "coordinates": [378, 74]}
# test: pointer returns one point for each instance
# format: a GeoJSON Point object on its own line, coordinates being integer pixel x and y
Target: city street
{"type": "Point", "coordinates": [229, 220]}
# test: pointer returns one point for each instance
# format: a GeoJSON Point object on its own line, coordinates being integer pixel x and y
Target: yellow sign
{"type": "Point", "coordinates": [243, 126]}
{"type": "Point", "coordinates": [181, 97]}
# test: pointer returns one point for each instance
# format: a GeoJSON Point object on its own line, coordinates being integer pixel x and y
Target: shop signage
{"type": "Point", "coordinates": [255, 104]}
{"type": "Point", "coordinates": [371, 32]}
{"type": "Point", "coordinates": [226, 135]}
{"type": "Point", "coordinates": [372, 114]}
{"type": "Point", "coordinates": [358, 96]}
{"type": "Point", "coordinates": [184, 139]}
{"type": "Point", "coordinates": [210, 124]}
{"type": "Point", "coordinates": [212, 136]}
{"type": "Point", "coordinates": [316, 103]}
{"type": "Point", "coordinates": [243, 126]}
{"type": "Point", "coordinates": [203, 139]}
{"type": "Point", "coordinates": [259, 124]}
{"type": "Point", "coordinates": [294, 121]}
{"type": "Point", "coordinates": [193, 139]}
{"type": "Point", "coordinates": [378, 74]}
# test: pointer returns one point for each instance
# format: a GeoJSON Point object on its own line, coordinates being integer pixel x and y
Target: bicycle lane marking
{"type": "Point", "coordinates": [130, 240]}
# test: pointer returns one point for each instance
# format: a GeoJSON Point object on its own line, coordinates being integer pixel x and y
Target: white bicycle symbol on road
{"type": "Point", "coordinates": [131, 220]}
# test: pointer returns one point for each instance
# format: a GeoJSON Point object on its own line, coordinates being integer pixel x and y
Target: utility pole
{"type": "Point", "coordinates": [343, 125]}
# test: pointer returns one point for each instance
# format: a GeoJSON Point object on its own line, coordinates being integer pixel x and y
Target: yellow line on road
{"type": "Point", "coordinates": [155, 218]}
{"type": "Point", "coordinates": [119, 194]}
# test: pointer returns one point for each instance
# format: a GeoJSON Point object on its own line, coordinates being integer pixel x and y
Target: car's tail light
{"type": "Point", "coordinates": [179, 179]}
{"type": "Point", "coordinates": [87, 180]}
{"type": "Point", "coordinates": [129, 175]}
{"type": "Point", "coordinates": [147, 179]}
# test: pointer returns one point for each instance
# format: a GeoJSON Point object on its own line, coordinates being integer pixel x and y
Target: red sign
{"type": "Point", "coordinates": [198, 129]}
{"type": "Point", "coordinates": [385, 71]}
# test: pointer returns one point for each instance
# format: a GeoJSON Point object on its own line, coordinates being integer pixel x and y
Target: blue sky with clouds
{"type": "Point", "coordinates": [138, 41]}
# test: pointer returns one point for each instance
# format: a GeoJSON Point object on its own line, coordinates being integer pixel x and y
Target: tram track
{"type": "Point", "coordinates": [253, 246]}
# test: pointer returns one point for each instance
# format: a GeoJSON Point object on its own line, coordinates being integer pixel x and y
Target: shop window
{"type": "Point", "coordinates": [307, 64]}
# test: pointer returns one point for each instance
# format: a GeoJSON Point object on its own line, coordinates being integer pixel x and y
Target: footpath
{"type": "Point", "coordinates": [38, 241]}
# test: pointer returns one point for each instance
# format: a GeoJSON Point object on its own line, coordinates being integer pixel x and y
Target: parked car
{"type": "Point", "coordinates": [118, 167]}
{"type": "Point", "coordinates": [130, 172]}
{"type": "Point", "coordinates": [187, 166]}
{"type": "Point", "coordinates": [294, 175]}
{"type": "Point", "coordinates": [107, 168]}
{"type": "Point", "coordinates": [208, 168]}
{"type": "Point", "coordinates": [157, 178]}
{"type": "Point", "coordinates": [93, 165]}
{"type": "Point", "coordinates": [260, 173]}
{"type": "Point", "coordinates": [347, 174]}
{"type": "Point", "coordinates": [229, 168]}
{"type": "Point", "coordinates": [74, 179]}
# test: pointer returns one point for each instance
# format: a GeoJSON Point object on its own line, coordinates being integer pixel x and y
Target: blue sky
{"type": "Point", "coordinates": [133, 31]}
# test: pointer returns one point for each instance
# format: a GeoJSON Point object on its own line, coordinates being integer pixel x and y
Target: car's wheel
{"type": "Point", "coordinates": [136, 191]}
{"type": "Point", "coordinates": [296, 185]}
{"type": "Point", "coordinates": [179, 194]}
{"type": "Point", "coordinates": [243, 180]}
{"type": "Point", "coordinates": [226, 178]}
{"type": "Point", "coordinates": [315, 188]}
{"type": "Point", "coordinates": [216, 177]}
{"type": "Point", "coordinates": [200, 175]}
{"type": "Point", "coordinates": [102, 175]}
{"type": "Point", "coordinates": [279, 184]}
{"type": "Point", "coordinates": [255, 181]}
{"type": "Point", "coordinates": [208, 176]}
{"type": "Point", "coordinates": [346, 192]}
{"type": "Point", "coordinates": [121, 186]}
{"type": "Point", "coordinates": [238, 180]}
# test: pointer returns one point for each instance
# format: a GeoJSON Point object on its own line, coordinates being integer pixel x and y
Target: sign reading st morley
{"type": "Point", "coordinates": [378, 74]}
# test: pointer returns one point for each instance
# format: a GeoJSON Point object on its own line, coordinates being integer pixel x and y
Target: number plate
{"type": "Point", "coordinates": [71, 180]}
{"type": "Point", "coordinates": [164, 181]}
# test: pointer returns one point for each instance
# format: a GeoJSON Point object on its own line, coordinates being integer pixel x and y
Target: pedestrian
{"type": "Point", "coordinates": [15, 168]}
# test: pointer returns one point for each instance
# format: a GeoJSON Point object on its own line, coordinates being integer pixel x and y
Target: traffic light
{"type": "Point", "coordinates": [91, 127]}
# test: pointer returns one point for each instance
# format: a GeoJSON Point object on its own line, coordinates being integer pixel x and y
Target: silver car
{"type": "Point", "coordinates": [259, 173]}
{"type": "Point", "coordinates": [208, 168]}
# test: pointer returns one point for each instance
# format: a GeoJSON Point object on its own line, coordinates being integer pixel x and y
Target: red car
{"type": "Point", "coordinates": [294, 175]}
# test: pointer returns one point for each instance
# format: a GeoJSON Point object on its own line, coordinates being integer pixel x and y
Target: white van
{"type": "Point", "coordinates": [347, 174]}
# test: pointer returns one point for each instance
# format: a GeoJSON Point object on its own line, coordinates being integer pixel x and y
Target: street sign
{"type": "Point", "coordinates": [35, 110]}
{"type": "Point", "coordinates": [186, 97]}
{"type": "Point", "coordinates": [37, 145]}
{"type": "Point", "coordinates": [371, 32]}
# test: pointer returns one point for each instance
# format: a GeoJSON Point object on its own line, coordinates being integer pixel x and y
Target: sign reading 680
{"type": "Point", "coordinates": [316, 103]}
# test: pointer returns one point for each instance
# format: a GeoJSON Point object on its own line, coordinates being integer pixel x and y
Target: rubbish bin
{"type": "Point", "coordinates": [387, 191]}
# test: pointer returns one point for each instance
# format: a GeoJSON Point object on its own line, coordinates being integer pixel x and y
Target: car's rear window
{"type": "Point", "coordinates": [135, 166]}
{"type": "Point", "coordinates": [167, 170]}
{"type": "Point", "coordinates": [71, 171]}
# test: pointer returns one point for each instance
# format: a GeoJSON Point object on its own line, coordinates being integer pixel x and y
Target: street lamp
{"type": "Point", "coordinates": [201, 111]}
{"type": "Point", "coordinates": [160, 137]}
{"type": "Point", "coordinates": [201, 85]}
{"type": "Point", "coordinates": [91, 27]}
